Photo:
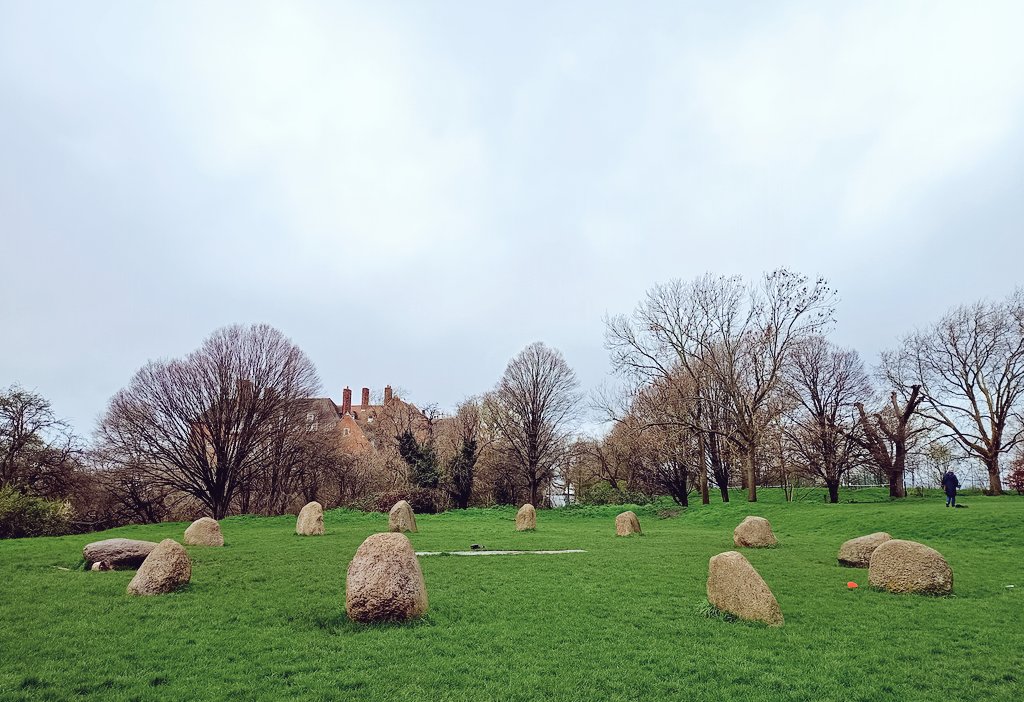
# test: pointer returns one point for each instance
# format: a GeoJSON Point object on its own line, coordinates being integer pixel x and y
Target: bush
{"type": "Point", "coordinates": [23, 515]}
{"type": "Point", "coordinates": [1016, 477]}
{"type": "Point", "coordinates": [603, 493]}
{"type": "Point", "coordinates": [422, 501]}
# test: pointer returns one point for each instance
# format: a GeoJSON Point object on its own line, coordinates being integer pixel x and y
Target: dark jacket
{"type": "Point", "coordinates": [950, 482]}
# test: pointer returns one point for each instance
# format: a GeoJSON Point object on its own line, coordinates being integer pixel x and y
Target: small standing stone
{"type": "Point", "coordinates": [627, 524]}
{"type": "Point", "coordinates": [385, 581]}
{"type": "Point", "coordinates": [311, 520]}
{"type": "Point", "coordinates": [117, 553]}
{"type": "Point", "coordinates": [754, 532]}
{"type": "Point", "coordinates": [909, 567]}
{"type": "Point", "coordinates": [204, 532]}
{"type": "Point", "coordinates": [856, 553]}
{"type": "Point", "coordinates": [401, 517]}
{"type": "Point", "coordinates": [526, 518]}
{"type": "Point", "coordinates": [734, 586]}
{"type": "Point", "coordinates": [165, 569]}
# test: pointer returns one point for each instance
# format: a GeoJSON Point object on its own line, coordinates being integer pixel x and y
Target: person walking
{"type": "Point", "coordinates": [950, 483]}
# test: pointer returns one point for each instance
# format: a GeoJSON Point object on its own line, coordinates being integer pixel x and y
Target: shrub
{"type": "Point", "coordinates": [23, 515]}
{"type": "Point", "coordinates": [603, 493]}
{"type": "Point", "coordinates": [1016, 477]}
{"type": "Point", "coordinates": [422, 501]}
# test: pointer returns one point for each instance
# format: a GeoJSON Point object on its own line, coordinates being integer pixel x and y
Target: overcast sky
{"type": "Point", "coordinates": [415, 191]}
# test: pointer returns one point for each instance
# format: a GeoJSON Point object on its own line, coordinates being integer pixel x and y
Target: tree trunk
{"type": "Point", "coordinates": [750, 468]}
{"type": "Point", "coordinates": [897, 485]}
{"type": "Point", "coordinates": [833, 491]}
{"type": "Point", "coordinates": [995, 483]}
{"type": "Point", "coordinates": [702, 479]}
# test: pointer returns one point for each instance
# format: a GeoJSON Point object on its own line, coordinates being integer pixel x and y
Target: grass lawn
{"type": "Point", "coordinates": [264, 617]}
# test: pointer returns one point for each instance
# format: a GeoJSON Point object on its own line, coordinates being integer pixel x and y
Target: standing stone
{"type": "Point", "coordinates": [385, 582]}
{"type": "Point", "coordinates": [735, 587]}
{"type": "Point", "coordinates": [627, 524]}
{"type": "Point", "coordinates": [909, 567]}
{"type": "Point", "coordinates": [165, 569]}
{"type": "Point", "coordinates": [856, 553]}
{"type": "Point", "coordinates": [204, 532]}
{"type": "Point", "coordinates": [117, 553]}
{"type": "Point", "coordinates": [311, 520]}
{"type": "Point", "coordinates": [526, 518]}
{"type": "Point", "coordinates": [754, 532]}
{"type": "Point", "coordinates": [401, 518]}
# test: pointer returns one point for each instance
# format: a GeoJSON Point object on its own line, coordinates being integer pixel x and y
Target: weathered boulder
{"type": "Point", "coordinates": [165, 569]}
{"type": "Point", "coordinates": [401, 517]}
{"type": "Point", "coordinates": [627, 524]}
{"type": "Point", "coordinates": [385, 582]}
{"type": "Point", "coordinates": [907, 566]}
{"type": "Point", "coordinates": [754, 532]}
{"type": "Point", "coordinates": [204, 532]}
{"type": "Point", "coordinates": [856, 553]}
{"type": "Point", "coordinates": [311, 520]}
{"type": "Point", "coordinates": [526, 518]}
{"type": "Point", "coordinates": [117, 553]}
{"type": "Point", "coordinates": [735, 587]}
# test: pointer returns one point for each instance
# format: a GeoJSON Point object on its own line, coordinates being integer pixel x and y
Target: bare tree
{"type": "Point", "coordinates": [826, 383]}
{"type": "Point", "coordinates": [889, 434]}
{"type": "Point", "coordinates": [206, 424]}
{"type": "Point", "coordinates": [532, 408]}
{"type": "Point", "coordinates": [728, 335]}
{"type": "Point", "coordinates": [970, 367]}
{"type": "Point", "coordinates": [461, 440]}
{"type": "Point", "coordinates": [37, 450]}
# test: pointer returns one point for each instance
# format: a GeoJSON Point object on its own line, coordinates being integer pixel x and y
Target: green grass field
{"type": "Point", "coordinates": [264, 617]}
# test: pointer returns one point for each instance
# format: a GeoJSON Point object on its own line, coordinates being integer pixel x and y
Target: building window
{"type": "Point", "coordinates": [310, 416]}
{"type": "Point", "coordinates": [345, 431]}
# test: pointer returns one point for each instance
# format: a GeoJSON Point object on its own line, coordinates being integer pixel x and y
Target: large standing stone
{"type": "Point", "coordinates": [311, 520]}
{"type": "Point", "coordinates": [165, 569]}
{"type": "Point", "coordinates": [204, 532]}
{"type": "Point", "coordinates": [401, 518]}
{"type": "Point", "coordinates": [526, 518]}
{"type": "Point", "coordinates": [627, 524]}
{"type": "Point", "coordinates": [385, 582]}
{"type": "Point", "coordinates": [856, 553]}
{"type": "Point", "coordinates": [754, 532]}
{"type": "Point", "coordinates": [735, 587]}
{"type": "Point", "coordinates": [117, 553]}
{"type": "Point", "coordinates": [907, 566]}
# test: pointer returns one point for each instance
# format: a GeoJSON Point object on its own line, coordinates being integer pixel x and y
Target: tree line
{"type": "Point", "coordinates": [722, 383]}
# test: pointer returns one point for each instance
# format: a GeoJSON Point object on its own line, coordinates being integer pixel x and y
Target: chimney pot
{"type": "Point", "coordinates": [346, 401]}
{"type": "Point", "coordinates": [366, 397]}
{"type": "Point", "coordinates": [387, 394]}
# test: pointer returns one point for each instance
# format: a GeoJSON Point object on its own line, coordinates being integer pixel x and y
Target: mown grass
{"type": "Point", "coordinates": [264, 616]}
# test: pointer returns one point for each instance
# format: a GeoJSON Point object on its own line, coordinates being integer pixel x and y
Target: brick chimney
{"type": "Point", "coordinates": [366, 397]}
{"type": "Point", "coordinates": [346, 401]}
{"type": "Point", "coordinates": [387, 394]}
